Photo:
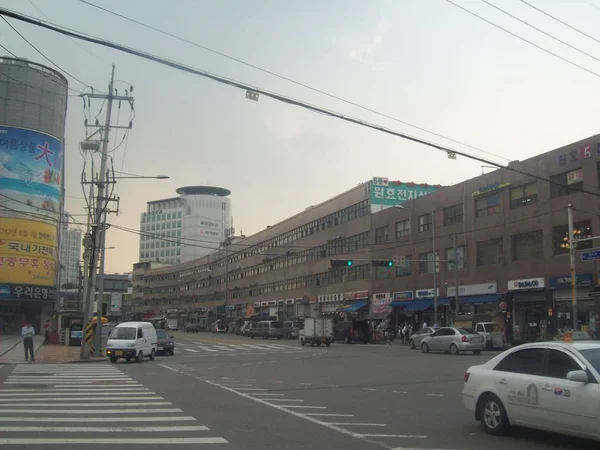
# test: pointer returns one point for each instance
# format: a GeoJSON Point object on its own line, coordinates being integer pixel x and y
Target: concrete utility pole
{"type": "Point", "coordinates": [100, 300]}
{"type": "Point", "coordinates": [435, 269]}
{"type": "Point", "coordinates": [572, 263]}
{"type": "Point", "coordinates": [456, 295]}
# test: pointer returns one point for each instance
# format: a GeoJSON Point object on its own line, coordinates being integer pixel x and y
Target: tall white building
{"type": "Point", "coordinates": [70, 255]}
{"type": "Point", "coordinates": [180, 229]}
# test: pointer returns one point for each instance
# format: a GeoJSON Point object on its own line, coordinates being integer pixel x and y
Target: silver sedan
{"type": "Point", "coordinates": [416, 338]}
{"type": "Point", "coordinates": [453, 340]}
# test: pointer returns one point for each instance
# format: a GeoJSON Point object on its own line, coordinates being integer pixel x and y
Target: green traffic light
{"type": "Point", "coordinates": [349, 262]}
{"type": "Point", "coordinates": [390, 263]}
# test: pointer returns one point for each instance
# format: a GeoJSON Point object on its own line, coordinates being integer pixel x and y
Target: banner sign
{"type": "Point", "coordinates": [390, 193]}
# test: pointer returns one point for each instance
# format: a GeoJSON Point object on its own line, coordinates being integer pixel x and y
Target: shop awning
{"type": "Point", "coordinates": [425, 303]}
{"type": "Point", "coordinates": [476, 299]}
{"type": "Point", "coordinates": [353, 307]}
{"type": "Point", "coordinates": [378, 316]}
{"type": "Point", "coordinates": [400, 303]}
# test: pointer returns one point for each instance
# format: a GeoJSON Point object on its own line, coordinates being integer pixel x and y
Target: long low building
{"type": "Point", "coordinates": [506, 232]}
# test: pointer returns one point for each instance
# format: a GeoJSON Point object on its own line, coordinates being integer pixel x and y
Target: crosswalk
{"type": "Point", "coordinates": [210, 348]}
{"type": "Point", "coordinates": [85, 404]}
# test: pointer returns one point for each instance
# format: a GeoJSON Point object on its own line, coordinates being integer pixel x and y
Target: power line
{"type": "Point", "coordinates": [2, 46]}
{"type": "Point", "coordinates": [541, 31]}
{"type": "Point", "coordinates": [564, 23]}
{"type": "Point", "coordinates": [525, 40]}
{"type": "Point", "coordinates": [44, 56]}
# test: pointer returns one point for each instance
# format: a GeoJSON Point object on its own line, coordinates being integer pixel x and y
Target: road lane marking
{"type": "Point", "coordinates": [306, 384]}
{"type": "Point", "coordinates": [407, 436]}
{"type": "Point", "coordinates": [90, 389]}
{"type": "Point", "coordinates": [116, 441]}
{"type": "Point", "coordinates": [21, 429]}
{"type": "Point", "coordinates": [75, 395]}
{"type": "Point", "coordinates": [270, 395]}
{"type": "Point", "coordinates": [368, 389]}
{"type": "Point", "coordinates": [63, 399]}
{"type": "Point", "coordinates": [202, 347]}
{"type": "Point", "coordinates": [191, 350]}
{"type": "Point", "coordinates": [243, 389]}
{"type": "Point", "coordinates": [435, 395]}
{"type": "Point", "coordinates": [301, 406]}
{"type": "Point", "coordinates": [95, 404]}
{"type": "Point", "coordinates": [284, 400]}
{"type": "Point", "coordinates": [100, 411]}
{"type": "Point", "coordinates": [400, 392]}
{"type": "Point", "coordinates": [222, 347]}
{"type": "Point", "coordinates": [350, 424]}
{"type": "Point", "coordinates": [98, 419]}
{"type": "Point", "coordinates": [327, 415]}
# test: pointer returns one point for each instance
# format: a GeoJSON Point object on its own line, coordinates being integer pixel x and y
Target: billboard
{"type": "Point", "coordinates": [390, 193]}
{"type": "Point", "coordinates": [31, 169]}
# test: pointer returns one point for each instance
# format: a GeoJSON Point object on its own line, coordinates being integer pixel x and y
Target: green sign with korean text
{"type": "Point", "coordinates": [390, 193]}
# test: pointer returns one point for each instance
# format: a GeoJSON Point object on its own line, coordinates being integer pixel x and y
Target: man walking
{"type": "Point", "coordinates": [27, 333]}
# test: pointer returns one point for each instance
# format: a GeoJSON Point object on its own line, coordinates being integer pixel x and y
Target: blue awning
{"type": "Point", "coordinates": [477, 299]}
{"type": "Point", "coordinates": [400, 303]}
{"type": "Point", "coordinates": [353, 307]}
{"type": "Point", "coordinates": [425, 303]}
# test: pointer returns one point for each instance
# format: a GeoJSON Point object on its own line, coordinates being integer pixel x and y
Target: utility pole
{"type": "Point", "coordinates": [435, 268]}
{"type": "Point", "coordinates": [100, 301]}
{"type": "Point", "coordinates": [572, 263]}
{"type": "Point", "coordinates": [456, 296]}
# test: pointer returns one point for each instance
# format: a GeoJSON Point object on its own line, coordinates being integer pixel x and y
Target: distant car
{"type": "Point", "coordinates": [192, 328]}
{"type": "Point", "coordinates": [551, 386]}
{"type": "Point", "coordinates": [292, 329]}
{"type": "Point", "coordinates": [453, 340]}
{"type": "Point", "coordinates": [416, 338]}
{"type": "Point", "coordinates": [172, 326]}
{"type": "Point", "coordinates": [166, 346]}
{"type": "Point", "coordinates": [219, 328]}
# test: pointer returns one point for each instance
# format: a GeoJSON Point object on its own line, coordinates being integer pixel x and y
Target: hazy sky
{"type": "Point", "coordinates": [425, 62]}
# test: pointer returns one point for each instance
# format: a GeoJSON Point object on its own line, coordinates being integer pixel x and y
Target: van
{"type": "Point", "coordinates": [132, 340]}
{"type": "Point", "coordinates": [267, 329]}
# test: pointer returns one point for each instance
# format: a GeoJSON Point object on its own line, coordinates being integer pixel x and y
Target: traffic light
{"type": "Point", "coordinates": [383, 263]}
{"type": "Point", "coordinates": [336, 263]}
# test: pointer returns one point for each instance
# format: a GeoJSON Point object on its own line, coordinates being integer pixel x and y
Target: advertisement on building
{"type": "Point", "coordinates": [473, 289]}
{"type": "Point", "coordinates": [403, 296]}
{"type": "Point", "coordinates": [526, 284]}
{"type": "Point", "coordinates": [426, 293]}
{"type": "Point", "coordinates": [390, 193]}
{"type": "Point", "coordinates": [381, 303]}
{"type": "Point", "coordinates": [31, 166]}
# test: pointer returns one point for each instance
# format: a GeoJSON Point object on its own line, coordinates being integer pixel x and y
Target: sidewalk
{"type": "Point", "coordinates": [12, 351]}
{"type": "Point", "coordinates": [46, 354]}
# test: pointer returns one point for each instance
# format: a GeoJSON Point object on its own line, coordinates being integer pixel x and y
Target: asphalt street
{"type": "Point", "coordinates": [223, 391]}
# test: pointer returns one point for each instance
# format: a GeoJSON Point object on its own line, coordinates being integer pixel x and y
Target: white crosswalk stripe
{"type": "Point", "coordinates": [225, 348]}
{"type": "Point", "coordinates": [55, 400]}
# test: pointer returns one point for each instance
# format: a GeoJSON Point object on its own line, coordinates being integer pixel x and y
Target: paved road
{"type": "Point", "coordinates": [278, 395]}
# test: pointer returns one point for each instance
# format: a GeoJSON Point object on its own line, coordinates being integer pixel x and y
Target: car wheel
{"type": "Point", "coordinates": [412, 344]}
{"type": "Point", "coordinates": [328, 344]}
{"type": "Point", "coordinates": [113, 359]}
{"type": "Point", "coordinates": [266, 336]}
{"type": "Point", "coordinates": [454, 350]}
{"type": "Point", "coordinates": [476, 352]}
{"type": "Point", "coordinates": [424, 348]}
{"type": "Point", "coordinates": [172, 352]}
{"type": "Point", "coordinates": [139, 357]}
{"type": "Point", "coordinates": [493, 416]}
{"type": "Point", "coordinates": [152, 355]}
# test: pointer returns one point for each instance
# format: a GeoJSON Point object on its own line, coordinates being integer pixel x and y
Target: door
{"type": "Point", "coordinates": [141, 342]}
{"type": "Point", "coordinates": [439, 339]}
{"type": "Point", "coordinates": [568, 404]}
{"type": "Point", "coordinates": [516, 380]}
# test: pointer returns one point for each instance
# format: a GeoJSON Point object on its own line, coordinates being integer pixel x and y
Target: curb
{"type": "Point", "coordinates": [4, 353]}
{"type": "Point", "coordinates": [85, 361]}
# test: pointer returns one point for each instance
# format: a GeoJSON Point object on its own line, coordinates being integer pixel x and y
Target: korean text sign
{"type": "Point", "coordinates": [395, 193]}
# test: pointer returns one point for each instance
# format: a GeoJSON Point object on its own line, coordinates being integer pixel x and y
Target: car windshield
{"type": "Point", "coordinates": [276, 325]}
{"type": "Point", "coordinates": [490, 327]}
{"type": "Point", "coordinates": [162, 334]}
{"type": "Point", "coordinates": [593, 356]}
{"type": "Point", "coordinates": [123, 333]}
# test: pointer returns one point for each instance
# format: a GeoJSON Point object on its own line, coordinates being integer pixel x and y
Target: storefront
{"type": "Point", "coordinates": [481, 298]}
{"type": "Point", "coordinates": [330, 303]}
{"type": "Point", "coordinates": [422, 309]}
{"type": "Point", "coordinates": [400, 299]}
{"type": "Point", "coordinates": [532, 310]}
{"type": "Point", "coordinates": [563, 304]}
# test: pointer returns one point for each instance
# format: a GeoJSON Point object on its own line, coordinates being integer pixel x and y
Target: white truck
{"type": "Point", "coordinates": [491, 332]}
{"type": "Point", "coordinates": [171, 324]}
{"type": "Point", "coordinates": [317, 331]}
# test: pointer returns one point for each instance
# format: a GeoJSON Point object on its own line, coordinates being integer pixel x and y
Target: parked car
{"type": "Point", "coordinates": [492, 333]}
{"type": "Point", "coordinates": [192, 328]}
{"type": "Point", "coordinates": [166, 345]}
{"type": "Point", "coordinates": [267, 329]}
{"type": "Point", "coordinates": [550, 386]}
{"type": "Point", "coordinates": [453, 340]}
{"type": "Point", "coordinates": [416, 338]}
{"type": "Point", "coordinates": [219, 328]}
{"type": "Point", "coordinates": [292, 329]}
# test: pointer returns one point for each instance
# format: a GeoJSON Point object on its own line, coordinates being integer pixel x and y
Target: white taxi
{"type": "Point", "coordinates": [550, 386]}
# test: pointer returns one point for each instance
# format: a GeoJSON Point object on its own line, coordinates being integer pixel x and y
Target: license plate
{"type": "Point", "coordinates": [160, 349]}
{"type": "Point", "coordinates": [118, 353]}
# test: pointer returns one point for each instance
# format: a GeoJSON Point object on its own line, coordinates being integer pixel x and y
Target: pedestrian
{"type": "Point", "coordinates": [46, 332]}
{"type": "Point", "coordinates": [405, 336]}
{"type": "Point", "coordinates": [27, 333]}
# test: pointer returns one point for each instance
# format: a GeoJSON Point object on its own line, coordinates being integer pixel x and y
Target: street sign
{"type": "Point", "coordinates": [398, 260]}
{"type": "Point", "coordinates": [592, 255]}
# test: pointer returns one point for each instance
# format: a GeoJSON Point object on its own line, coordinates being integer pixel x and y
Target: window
{"type": "Point", "coordinates": [581, 230]}
{"type": "Point", "coordinates": [593, 356]}
{"type": "Point", "coordinates": [560, 364]}
{"type": "Point", "coordinates": [528, 246]}
{"type": "Point", "coordinates": [424, 223]}
{"type": "Point", "coordinates": [382, 273]}
{"type": "Point", "coordinates": [426, 263]}
{"type": "Point", "coordinates": [402, 229]}
{"type": "Point", "coordinates": [527, 361]}
{"type": "Point", "coordinates": [490, 252]}
{"type": "Point", "coordinates": [404, 270]}
{"type": "Point", "coordinates": [453, 214]}
{"type": "Point", "coordinates": [461, 252]}
{"type": "Point", "coordinates": [523, 195]}
{"type": "Point", "coordinates": [488, 205]}
{"type": "Point", "coordinates": [140, 334]}
{"type": "Point", "coordinates": [382, 234]}
{"type": "Point", "coordinates": [444, 332]}
{"type": "Point", "coordinates": [566, 183]}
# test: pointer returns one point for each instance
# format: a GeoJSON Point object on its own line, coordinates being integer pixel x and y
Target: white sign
{"type": "Point", "coordinates": [523, 285]}
{"type": "Point", "coordinates": [381, 181]}
{"type": "Point", "coordinates": [399, 260]}
{"type": "Point", "coordinates": [382, 298]}
{"type": "Point", "coordinates": [426, 293]}
{"type": "Point", "coordinates": [327, 298]}
{"type": "Point", "coordinates": [116, 302]}
{"type": "Point", "coordinates": [473, 289]}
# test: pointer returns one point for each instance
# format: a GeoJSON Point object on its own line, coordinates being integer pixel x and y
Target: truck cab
{"type": "Point", "coordinates": [492, 333]}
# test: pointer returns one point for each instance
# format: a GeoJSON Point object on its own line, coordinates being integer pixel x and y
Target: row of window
{"type": "Point", "coordinates": [152, 254]}
{"type": "Point", "coordinates": [159, 226]}
{"type": "Point", "coordinates": [155, 217]}
{"type": "Point", "coordinates": [166, 239]}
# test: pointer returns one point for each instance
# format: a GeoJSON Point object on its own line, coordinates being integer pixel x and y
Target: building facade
{"type": "Point", "coordinates": [70, 258]}
{"type": "Point", "coordinates": [200, 217]}
{"type": "Point", "coordinates": [500, 238]}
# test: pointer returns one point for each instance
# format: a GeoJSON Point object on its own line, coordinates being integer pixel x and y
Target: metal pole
{"type": "Point", "coordinates": [456, 296]}
{"type": "Point", "coordinates": [435, 263]}
{"type": "Point", "coordinates": [572, 262]}
{"type": "Point", "coordinates": [226, 274]}
{"type": "Point", "coordinates": [100, 301]}
{"type": "Point", "coordinates": [101, 205]}
{"type": "Point", "coordinates": [284, 284]}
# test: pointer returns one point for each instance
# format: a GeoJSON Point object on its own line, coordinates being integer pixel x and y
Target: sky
{"type": "Point", "coordinates": [423, 62]}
